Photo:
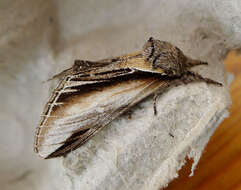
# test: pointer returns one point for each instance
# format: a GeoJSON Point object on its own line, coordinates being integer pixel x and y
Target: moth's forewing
{"type": "Point", "coordinates": [72, 117]}
{"type": "Point", "coordinates": [87, 100]}
{"type": "Point", "coordinates": [139, 64]}
{"type": "Point", "coordinates": [109, 68]}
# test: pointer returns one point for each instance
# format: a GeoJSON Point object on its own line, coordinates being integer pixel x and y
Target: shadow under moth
{"type": "Point", "coordinates": [92, 94]}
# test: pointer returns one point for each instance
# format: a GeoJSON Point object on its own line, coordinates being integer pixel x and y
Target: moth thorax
{"type": "Point", "coordinates": [165, 56]}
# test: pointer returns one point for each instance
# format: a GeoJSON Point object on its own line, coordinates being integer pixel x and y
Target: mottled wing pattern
{"type": "Point", "coordinates": [76, 112]}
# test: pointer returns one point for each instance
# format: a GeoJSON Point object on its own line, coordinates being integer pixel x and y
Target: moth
{"type": "Point", "coordinates": [91, 94]}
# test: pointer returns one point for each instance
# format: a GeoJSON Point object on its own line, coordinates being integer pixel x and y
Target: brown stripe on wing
{"type": "Point", "coordinates": [78, 138]}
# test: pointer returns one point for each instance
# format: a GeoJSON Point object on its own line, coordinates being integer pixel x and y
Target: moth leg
{"type": "Point", "coordinates": [190, 76]}
{"type": "Point", "coordinates": [154, 103]}
{"type": "Point", "coordinates": [129, 114]}
{"type": "Point", "coordinates": [194, 62]}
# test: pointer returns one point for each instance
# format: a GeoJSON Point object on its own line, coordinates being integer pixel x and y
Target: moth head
{"type": "Point", "coordinates": [165, 56]}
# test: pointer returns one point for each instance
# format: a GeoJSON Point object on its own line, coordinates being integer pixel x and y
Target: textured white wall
{"type": "Point", "coordinates": [39, 38]}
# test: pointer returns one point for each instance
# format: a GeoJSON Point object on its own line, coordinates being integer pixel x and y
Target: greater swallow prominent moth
{"type": "Point", "coordinates": [92, 94]}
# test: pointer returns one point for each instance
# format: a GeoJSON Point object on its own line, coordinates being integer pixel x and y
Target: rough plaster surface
{"type": "Point", "coordinates": [40, 38]}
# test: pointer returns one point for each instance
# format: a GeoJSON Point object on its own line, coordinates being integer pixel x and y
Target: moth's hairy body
{"type": "Point", "coordinates": [165, 56]}
{"type": "Point", "coordinates": [92, 94]}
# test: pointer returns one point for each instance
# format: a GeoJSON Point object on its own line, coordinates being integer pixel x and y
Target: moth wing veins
{"type": "Point", "coordinates": [108, 68]}
{"type": "Point", "coordinates": [81, 67]}
{"type": "Point", "coordinates": [71, 118]}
